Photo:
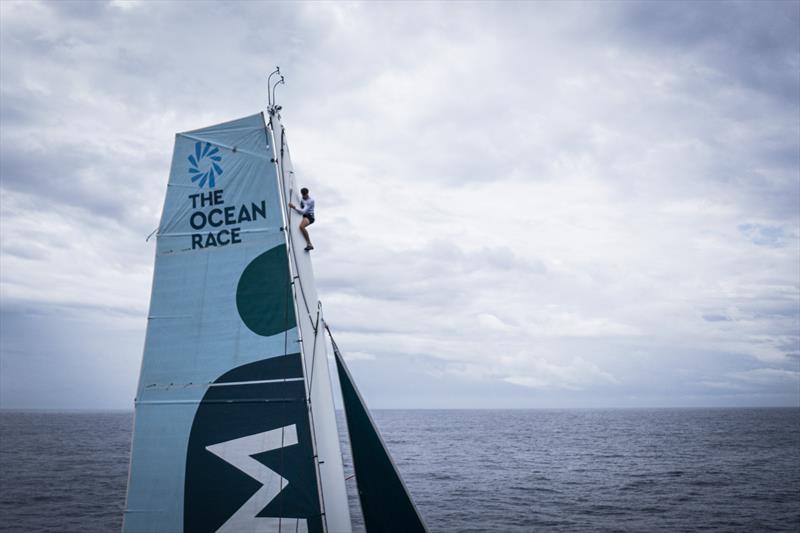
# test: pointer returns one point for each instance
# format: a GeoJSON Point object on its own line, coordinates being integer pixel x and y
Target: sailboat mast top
{"type": "Point", "coordinates": [273, 108]}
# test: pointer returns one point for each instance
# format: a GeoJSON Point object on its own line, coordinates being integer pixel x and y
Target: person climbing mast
{"type": "Point", "coordinates": [306, 209]}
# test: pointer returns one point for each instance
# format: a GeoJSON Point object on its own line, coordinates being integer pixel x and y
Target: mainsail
{"type": "Point", "coordinates": [234, 428]}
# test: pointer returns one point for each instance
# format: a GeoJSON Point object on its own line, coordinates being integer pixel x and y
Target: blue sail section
{"type": "Point", "coordinates": [222, 438]}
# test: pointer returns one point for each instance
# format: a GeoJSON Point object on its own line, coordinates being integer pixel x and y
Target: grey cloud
{"type": "Point", "coordinates": [716, 318]}
{"type": "Point", "coordinates": [79, 9]}
{"type": "Point", "coordinates": [26, 251]}
{"type": "Point", "coordinates": [755, 43]}
{"type": "Point", "coordinates": [436, 274]}
{"type": "Point", "coordinates": [54, 175]}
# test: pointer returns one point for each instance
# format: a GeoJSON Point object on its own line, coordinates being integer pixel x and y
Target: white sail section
{"type": "Point", "coordinates": [310, 325]}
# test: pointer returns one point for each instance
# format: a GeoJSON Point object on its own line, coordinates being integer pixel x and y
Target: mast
{"type": "Point", "coordinates": [313, 346]}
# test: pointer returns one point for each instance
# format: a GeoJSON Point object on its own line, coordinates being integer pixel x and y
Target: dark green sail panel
{"type": "Point", "coordinates": [385, 502]}
{"type": "Point", "coordinates": [263, 295]}
{"type": "Point", "coordinates": [244, 404]}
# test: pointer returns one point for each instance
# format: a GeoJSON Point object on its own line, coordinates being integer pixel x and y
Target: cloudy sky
{"type": "Point", "coordinates": [519, 204]}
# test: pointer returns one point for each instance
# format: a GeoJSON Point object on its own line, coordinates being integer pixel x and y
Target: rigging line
{"type": "Point", "coordinates": [289, 223]}
{"type": "Point", "coordinates": [283, 413]}
{"type": "Point", "coordinates": [151, 234]}
{"type": "Point", "coordinates": [288, 294]}
{"type": "Point", "coordinates": [290, 244]}
{"type": "Point", "coordinates": [314, 351]}
{"type": "Point", "coordinates": [330, 335]}
{"type": "Point", "coordinates": [294, 256]}
{"type": "Point", "coordinates": [316, 455]}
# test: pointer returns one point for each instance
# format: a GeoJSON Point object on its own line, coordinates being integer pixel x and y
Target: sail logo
{"type": "Point", "coordinates": [203, 220]}
{"type": "Point", "coordinates": [240, 453]}
{"type": "Point", "coordinates": [204, 165]}
{"type": "Point", "coordinates": [249, 460]}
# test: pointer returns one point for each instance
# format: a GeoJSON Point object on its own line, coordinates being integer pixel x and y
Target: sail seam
{"type": "Point", "coordinates": [243, 231]}
{"type": "Point", "coordinates": [225, 146]}
{"type": "Point", "coordinates": [234, 400]}
{"type": "Point", "coordinates": [255, 382]}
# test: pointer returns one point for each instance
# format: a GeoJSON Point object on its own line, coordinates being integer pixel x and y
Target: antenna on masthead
{"type": "Point", "coordinates": [269, 79]}
{"type": "Point", "coordinates": [275, 102]}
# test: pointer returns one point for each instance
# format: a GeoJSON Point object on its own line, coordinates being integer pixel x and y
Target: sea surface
{"type": "Point", "coordinates": [471, 470]}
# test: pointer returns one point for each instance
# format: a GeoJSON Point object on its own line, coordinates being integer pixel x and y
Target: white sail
{"type": "Point", "coordinates": [234, 426]}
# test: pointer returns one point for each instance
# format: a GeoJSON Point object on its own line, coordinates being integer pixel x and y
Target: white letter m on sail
{"type": "Point", "coordinates": [239, 452]}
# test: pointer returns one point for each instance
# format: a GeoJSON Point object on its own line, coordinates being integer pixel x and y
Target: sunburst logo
{"type": "Point", "coordinates": [204, 165]}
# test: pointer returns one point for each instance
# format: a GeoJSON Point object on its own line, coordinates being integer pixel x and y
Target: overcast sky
{"type": "Point", "coordinates": [518, 204]}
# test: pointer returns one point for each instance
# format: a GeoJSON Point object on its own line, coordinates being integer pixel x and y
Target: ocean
{"type": "Point", "coordinates": [470, 470]}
